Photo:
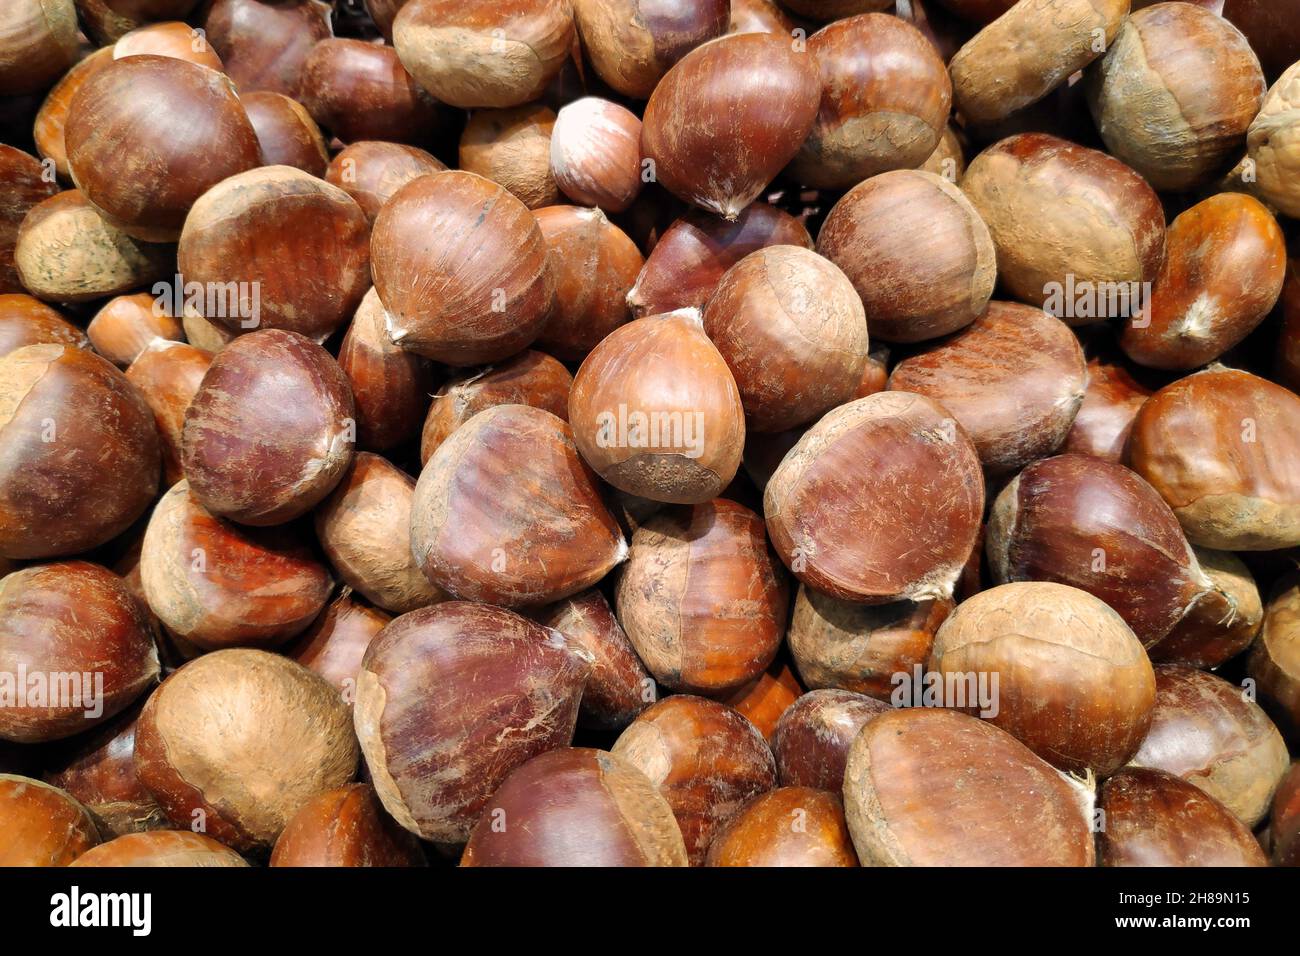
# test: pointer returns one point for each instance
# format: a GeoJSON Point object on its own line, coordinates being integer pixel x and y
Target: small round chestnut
{"type": "Point", "coordinates": [813, 736]}
{"type": "Point", "coordinates": [336, 641]}
{"type": "Point", "coordinates": [43, 825]}
{"type": "Point", "coordinates": [596, 153]}
{"type": "Point", "coordinates": [370, 171]}
{"type": "Point", "coordinates": [166, 848]}
{"type": "Point", "coordinates": [264, 46]}
{"type": "Point", "coordinates": [24, 183]}
{"type": "Point", "coordinates": [38, 42]}
{"type": "Point", "coordinates": [286, 133]}
{"type": "Point", "coordinates": [28, 321]}
{"type": "Point", "coordinates": [345, 827]}
{"type": "Point", "coordinates": [126, 325]}
{"type": "Point", "coordinates": [788, 826]}
{"type": "Point", "coordinates": [513, 147]}
{"type": "Point", "coordinates": [1110, 403]}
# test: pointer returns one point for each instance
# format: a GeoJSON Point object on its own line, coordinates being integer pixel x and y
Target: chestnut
{"type": "Point", "coordinates": [656, 412]}
{"type": "Point", "coordinates": [702, 599]}
{"type": "Point", "coordinates": [359, 90]}
{"type": "Point", "coordinates": [124, 153]}
{"type": "Point", "coordinates": [1271, 144]}
{"type": "Point", "coordinates": [23, 184]}
{"type": "Point", "coordinates": [52, 117]}
{"type": "Point", "coordinates": [690, 258]}
{"type": "Point", "coordinates": [1073, 682]}
{"type": "Point", "coordinates": [246, 233]}
{"type": "Point", "coordinates": [508, 690]}
{"type": "Point", "coordinates": [126, 325]}
{"type": "Point", "coordinates": [595, 265]}
{"type": "Point", "coordinates": [217, 584]}
{"type": "Point", "coordinates": [706, 760]}
{"type": "Point", "coordinates": [885, 97]}
{"type": "Point", "coordinates": [1221, 623]}
{"type": "Point", "coordinates": [860, 647]}
{"type": "Point", "coordinates": [1110, 403]}
{"type": "Point", "coordinates": [916, 250]}
{"type": "Point", "coordinates": [167, 375]}
{"type": "Point", "coordinates": [371, 171]}
{"type": "Point", "coordinates": [1029, 51]}
{"type": "Point", "coordinates": [384, 12]}
{"type": "Point", "coordinates": [1152, 818]}
{"type": "Point", "coordinates": [484, 53]}
{"type": "Point", "coordinates": [765, 699]}
{"type": "Point", "coordinates": [285, 736]}
{"type": "Point", "coordinates": [1222, 446]}
{"type": "Point", "coordinates": [633, 43]}
{"type": "Point", "coordinates": [286, 132]}
{"type": "Point", "coordinates": [271, 429]}
{"type": "Point", "coordinates": [481, 249]}
{"type": "Point", "coordinates": [1013, 379]}
{"type": "Point", "coordinates": [38, 42]}
{"type": "Point", "coordinates": [727, 118]}
{"type": "Point", "coordinates": [949, 157]}
{"type": "Point", "coordinates": [576, 807]}
{"type": "Point", "coordinates": [364, 527]}
{"type": "Point", "coordinates": [336, 641]}
{"type": "Point", "coordinates": [1076, 231]}
{"type": "Point", "coordinates": [793, 332]}
{"type": "Point", "coordinates": [506, 512]}
{"type": "Point", "coordinates": [67, 252]}
{"type": "Point", "coordinates": [1211, 734]}
{"type": "Point", "coordinates": [28, 321]}
{"type": "Point", "coordinates": [389, 384]}
{"type": "Point", "coordinates": [907, 532]}
{"type": "Point", "coordinates": [203, 334]}
{"type": "Point", "coordinates": [1096, 526]}
{"type": "Point", "coordinates": [108, 20]}
{"type": "Point", "coordinates": [619, 687]}
{"type": "Point", "coordinates": [759, 16]}
{"type": "Point", "coordinates": [1224, 267]}
{"type": "Point", "coordinates": [181, 848]}
{"type": "Point", "coordinates": [933, 787]}
{"type": "Point", "coordinates": [79, 457]}
{"type": "Point", "coordinates": [264, 46]}
{"type": "Point", "coordinates": [513, 147]}
{"type": "Point", "coordinates": [1285, 822]}
{"type": "Point", "coordinates": [813, 736]}
{"type": "Point", "coordinates": [788, 826]}
{"type": "Point", "coordinates": [1174, 94]}
{"type": "Point", "coordinates": [1275, 660]}
{"type": "Point", "coordinates": [596, 153]}
{"type": "Point", "coordinates": [77, 621]}
{"type": "Point", "coordinates": [345, 827]}
{"type": "Point", "coordinates": [43, 825]}
{"type": "Point", "coordinates": [530, 378]}
{"type": "Point", "coordinates": [171, 38]}
{"type": "Point", "coordinates": [1272, 27]}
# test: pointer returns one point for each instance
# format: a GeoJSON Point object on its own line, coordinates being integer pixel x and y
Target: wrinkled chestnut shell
{"type": "Point", "coordinates": [345, 827]}
{"type": "Point", "coordinates": [128, 324]}
{"type": "Point", "coordinates": [181, 848]}
{"type": "Point", "coordinates": [813, 736]}
{"type": "Point", "coordinates": [576, 807]}
{"type": "Point", "coordinates": [336, 641]}
{"type": "Point", "coordinates": [43, 825]}
{"type": "Point", "coordinates": [28, 321]}
{"type": "Point", "coordinates": [905, 533]}
{"type": "Point", "coordinates": [508, 691]}
{"type": "Point", "coordinates": [705, 759]}
{"type": "Point", "coordinates": [789, 826]}
{"type": "Point", "coordinates": [513, 147]}
{"type": "Point", "coordinates": [79, 454]}
{"type": "Point", "coordinates": [167, 375]}
{"type": "Point", "coordinates": [264, 46]}
{"type": "Point", "coordinates": [370, 171]}
{"type": "Point", "coordinates": [286, 132]}
{"type": "Point", "coordinates": [933, 787]}
{"type": "Point", "coordinates": [1110, 403]}
{"type": "Point", "coordinates": [1275, 661]}
{"type": "Point", "coordinates": [22, 185]}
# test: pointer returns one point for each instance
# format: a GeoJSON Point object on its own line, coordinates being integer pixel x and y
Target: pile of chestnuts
{"type": "Point", "coordinates": [649, 433]}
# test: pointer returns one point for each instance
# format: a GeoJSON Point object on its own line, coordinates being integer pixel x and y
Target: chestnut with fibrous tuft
{"type": "Point", "coordinates": [596, 153]}
{"type": "Point", "coordinates": [508, 691]}
{"type": "Point", "coordinates": [345, 827]}
{"type": "Point", "coordinates": [43, 825]}
{"type": "Point", "coordinates": [370, 171]}
{"type": "Point", "coordinates": [727, 118]}
{"type": "Point", "coordinates": [1221, 623]}
{"type": "Point", "coordinates": [788, 826]}
{"type": "Point", "coordinates": [264, 46]}
{"type": "Point", "coordinates": [161, 848]}
{"type": "Point", "coordinates": [513, 147]}
{"type": "Point", "coordinates": [813, 736]}
{"type": "Point", "coordinates": [506, 512]}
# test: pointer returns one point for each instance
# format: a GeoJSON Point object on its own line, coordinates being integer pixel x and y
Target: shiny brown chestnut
{"type": "Point", "coordinates": [1223, 448]}
{"type": "Point", "coordinates": [123, 151]}
{"type": "Point", "coordinates": [576, 807]}
{"type": "Point", "coordinates": [38, 42]}
{"type": "Point", "coordinates": [1110, 403]}
{"type": "Point", "coordinates": [813, 736]}
{"type": "Point", "coordinates": [43, 825]}
{"type": "Point", "coordinates": [512, 147]}
{"type": "Point", "coordinates": [1221, 623]}
{"type": "Point", "coordinates": [764, 700]}
{"type": "Point", "coordinates": [28, 321]}
{"type": "Point", "coordinates": [508, 691]}
{"type": "Point", "coordinates": [633, 43]}
{"type": "Point", "coordinates": [752, 82]}
{"type": "Point", "coordinates": [167, 375]}
{"type": "Point", "coordinates": [79, 455]}
{"type": "Point", "coordinates": [506, 512]}
{"type": "Point", "coordinates": [907, 532]}
{"type": "Point", "coordinates": [217, 584]}
{"type": "Point", "coordinates": [286, 133]}
{"type": "Point", "coordinates": [759, 16]}
{"type": "Point", "coordinates": [127, 324]}
{"type": "Point", "coordinates": [1275, 661]}
{"type": "Point", "coordinates": [1272, 27]}
{"type": "Point", "coordinates": [916, 250]}
{"type": "Point", "coordinates": [170, 38]}
{"type": "Point", "coordinates": [52, 117]}
{"type": "Point", "coordinates": [885, 98]}
{"type": "Point", "coordinates": [165, 848]}
{"type": "Point", "coordinates": [285, 737]}
{"type": "Point", "coordinates": [345, 827]}
{"type": "Point", "coordinates": [1073, 682]}
{"type": "Point", "coordinates": [336, 641]}
{"type": "Point", "coordinates": [702, 599]}
{"type": "Point", "coordinates": [370, 171]}
{"type": "Point", "coordinates": [705, 759]}
{"type": "Point", "coordinates": [24, 183]}
{"type": "Point", "coordinates": [384, 12]}
{"type": "Point", "coordinates": [596, 153]}
{"type": "Point", "coordinates": [271, 429]}
{"type": "Point", "coordinates": [106, 21]}
{"type": "Point", "coordinates": [788, 826]}
{"type": "Point", "coordinates": [264, 46]}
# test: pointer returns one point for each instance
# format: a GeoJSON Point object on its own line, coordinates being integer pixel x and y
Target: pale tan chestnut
{"type": "Point", "coordinates": [656, 412]}
{"type": "Point", "coordinates": [1273, 143]}
{"type": "Point", "coordinates": [513, 147]}
{"type": "Point", "coordinates": [596, 153]}
{"type": "Point", "coordinates": [506, 512]}
{"type": "Point", "coordinates": [126, 325]}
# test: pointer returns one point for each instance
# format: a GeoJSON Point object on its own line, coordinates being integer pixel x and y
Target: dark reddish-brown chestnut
{"type": "Point", "coordinates": [337, 640]}
{"type": "Point", "coordinates": [725, 120]}
{"type": "Point", "coordinates": [182, 848]}
{"type": "Point", "coordinates": [759, 16]}
{"type": "Point", "coordinates": [1221, 623]}
{"type": "Point", "coordinates": [512, 147]}
{"type": "Point", "coordinates": [1275, 661]}
{"type": "Point", "coordinates": [370, 171]}
{"type": "Point", "coordinates": [1223, 448]}
{"type": "Point", "coordinates": [124, 152]}
{"type": "Point", "coordinates": [933, 787]}
{"type": "Point", "coordinates": [788, 826]}
{"type": "Point", "coordinates": [167, 375]}
{"type": "Point", "coordinates": [286, 132]}
{"type": "Point", "coordinates": [218, 584]}
{"type": "Point", "coordinates": [23, 183]}
{"type": "Point", "coordinates": [705, 758]}
{"type": "Point", "coordinates": [702, 598]}
{"type": "Point", "coordinates": [284, 736]}
{"type": "Point", "coordinates": [508, 690]}
{"type": "Point", "coordinates": [917, 252]}
{"type": "Point", "coordinates": [263, 45]}
{"type": "Point", "coordinates": [813, 736]}
{"type": "Point", "coordinates": [576, 807]}
{"type": "Point", "coordinates": [1272, 27]}
{"type": "Point", "coordinates": [506, 512]}
{"type": "Point", "coordinates": [1284, 825]}
{"type": "Point", "coordinates": [907, 529]}
{"type": "Point", "coordinates": [79, 454]}
{"type": "Point", "coordinates": [271, 429]}
{"type": "Point", "coordinates": [481, 250]}
{"type": "Point", "coordinates": [596, 153]}
{"type": "Point", "coordinates": [1110, 403]}
{"type": "Point", "coordinates": [28, 321]}
{"type": "Point", "coordinates": [345, 827]}
{"type": "Point", "coordinates": [38, 41]}
{"type": "Point", "coordinates": [127, 324]}
{"type": "Point", "coordinates": [43, 825]}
